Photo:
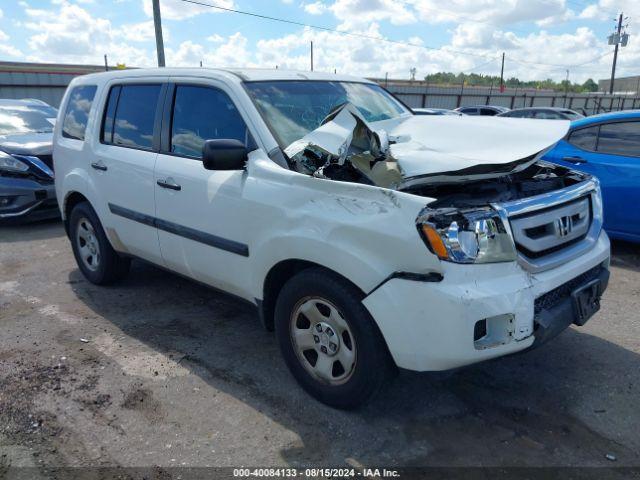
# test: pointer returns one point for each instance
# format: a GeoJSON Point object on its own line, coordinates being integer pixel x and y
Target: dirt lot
{"type": "Point", "coordinates": [162, 372]}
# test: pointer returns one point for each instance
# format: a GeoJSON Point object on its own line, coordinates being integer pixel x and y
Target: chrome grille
{"type": "Point", "coordinates": [555, 227]}
{"type": "Point", "coordinates": [548, 230]}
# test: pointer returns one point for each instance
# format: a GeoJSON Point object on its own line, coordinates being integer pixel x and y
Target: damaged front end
{"type": "Point", "coordinates": [412, 152]}
{"type": "Point", "coordinates": [346, 148]}
{"type": "Point", "coordinates": [465, 167]}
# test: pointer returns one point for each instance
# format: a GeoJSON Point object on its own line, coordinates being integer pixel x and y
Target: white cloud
{"type": "Point", "coordinates": [141, 32]}
{"type": "Point", "coordinates": [178, 10]}
{"type": "Point", "coordinates": [495, 12]}
{"type": "Point", "coordinates": [361, 12]}
{"type": "Point", "coordinates": [231, 52]}
{"type": "Point", "coordinates": [315, 8]}
{"type": "Point", "coordinates": [71, 35]}
{"type": "Point", "coordinates": [591, 12]}
{"type": "Point", "coordinates": [6, 48]}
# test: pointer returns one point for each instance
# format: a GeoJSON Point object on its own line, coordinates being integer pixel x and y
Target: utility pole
{"type": "Point", "coordinates": [490, 91]}
{"type": "Point", "coordinates": [106, 64]}
{"type": "Point", "coordinates": [312, 55]}
{"type": "Point", "coordinates": [502, 75]}
{"type": "Point", "coordinates": [618, 38]}
{"type": "Point", "coordinates": [566, 90]}
{"type": "Point", "coordinates": [157, 22]}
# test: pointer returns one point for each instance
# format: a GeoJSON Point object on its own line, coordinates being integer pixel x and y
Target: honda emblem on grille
{"type": "Point", "coordinates": [564, 226]}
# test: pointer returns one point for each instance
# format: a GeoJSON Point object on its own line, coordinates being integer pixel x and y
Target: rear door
{"type": "Point", "coordinates": [124, 162]}
{"type": "Point", "coordinates": [203, 220]}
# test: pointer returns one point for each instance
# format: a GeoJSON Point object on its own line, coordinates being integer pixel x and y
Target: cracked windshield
{"type": "Point", "coordinates": [294, 108]}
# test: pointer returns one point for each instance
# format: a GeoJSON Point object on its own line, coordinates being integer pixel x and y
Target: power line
{"type": "Point", "coordinates": [525, 62]}
{"type": "Point", "coordinates": [328, 29]}
{"type": "Point", "coordinates": [473, 69]}
{"type": "Point", "coordinates": [365, 36]}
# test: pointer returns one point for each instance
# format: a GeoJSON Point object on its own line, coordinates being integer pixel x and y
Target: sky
{"type": "Point", "coordinates": [541, 38]}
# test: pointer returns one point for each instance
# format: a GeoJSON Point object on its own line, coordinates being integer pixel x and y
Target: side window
{"type": "Point", "coordinates": [620, 139]}
{"type": "Point", "coordinates": [584, 138]}
{"type": "Point", "coordinates": [76, 115]}
{"type": "Point", "coordinates": [488, 112]}
{"type": "Point", "coordinates": [204, 113]}
{"type": "Point", "coordinates": [130, 116]}
{"type": "Point", "coordinates": [548, 115]}
{"type": "Point", "coordinates": [106, 134]}
{"type": "Point", "coordinates": [470, 111]}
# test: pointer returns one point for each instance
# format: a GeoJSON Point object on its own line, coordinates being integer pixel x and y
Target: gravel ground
{"type": "Point", "coordinates": [161, 372]}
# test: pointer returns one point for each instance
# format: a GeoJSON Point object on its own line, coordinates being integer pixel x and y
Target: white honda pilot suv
{"type": "Point", "coordinates": [368, 238]}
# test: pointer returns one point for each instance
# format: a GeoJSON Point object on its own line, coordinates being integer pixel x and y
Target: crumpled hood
{"type": "Point", "coordinates": [399, 153]}
{"type": "Point", "coordinates": [27, 143]}
{"type": "Point", "coordinates": [443, 144]}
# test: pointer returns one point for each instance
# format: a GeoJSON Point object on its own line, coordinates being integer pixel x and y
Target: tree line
{"type": "Point", "coordinates": [479, 80]}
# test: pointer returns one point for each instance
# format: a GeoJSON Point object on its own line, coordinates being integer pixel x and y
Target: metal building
{"type": "Point", "coordinates": [623, 84]}
{"type": "Point", "coordinates": [45, 81]}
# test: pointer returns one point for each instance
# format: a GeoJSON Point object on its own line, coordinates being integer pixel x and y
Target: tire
{"type": "Point", "coordinates": [348, 373]}
{"type": "Point", "coordinates": [96, 258]}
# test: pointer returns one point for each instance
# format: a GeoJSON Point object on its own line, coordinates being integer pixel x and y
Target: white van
{"type": "Point", "coordinates": [367, 237]}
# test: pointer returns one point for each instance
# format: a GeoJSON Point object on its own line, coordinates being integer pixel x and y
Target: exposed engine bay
{"type": "Point", "coordinates": [461, 160]}
{"type": "Point", "coordinates": [538, 178]}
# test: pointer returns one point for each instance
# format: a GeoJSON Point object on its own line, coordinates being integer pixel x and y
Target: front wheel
{"type": "Point", "coordinates": [329, 341]}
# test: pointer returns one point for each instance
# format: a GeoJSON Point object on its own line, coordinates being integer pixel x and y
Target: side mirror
{"type": "Point", "coordinates": [224, 154]}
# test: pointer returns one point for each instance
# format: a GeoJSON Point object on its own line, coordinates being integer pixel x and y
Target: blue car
{"type": "Point", "coordinates": [608, 147]}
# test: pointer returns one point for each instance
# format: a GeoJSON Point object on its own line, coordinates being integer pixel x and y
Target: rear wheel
{"type": "Point", "coordinates": [329, 341]}
{"type": "Point", "coordinates": [95, 256]}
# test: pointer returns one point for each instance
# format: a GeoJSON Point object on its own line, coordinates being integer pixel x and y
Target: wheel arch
{"type": "Point", "coordinates": [72, 199]}
{"type": "Point", "coordinates": [277, 276]}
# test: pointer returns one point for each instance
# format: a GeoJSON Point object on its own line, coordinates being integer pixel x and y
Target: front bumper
{"type": "Point", "coordinates": [431, 326]}
{"type": "Point", "coordinates": [22, 198]}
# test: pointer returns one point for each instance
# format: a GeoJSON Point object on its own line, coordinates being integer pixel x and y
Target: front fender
{"type": "Point", "coordinates": [364, 233]}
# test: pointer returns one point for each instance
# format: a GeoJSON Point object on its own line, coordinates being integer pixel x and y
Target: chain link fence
{"type": "Point", "coordinates": [425, 96]}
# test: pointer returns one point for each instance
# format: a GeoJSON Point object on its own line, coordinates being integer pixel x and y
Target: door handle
{"type": "Point", "coordinates": [574, 160]}
{"type": "Point", "coordinates": [99, 166]}
{"type": "Point", "coordinates": [170, 184]}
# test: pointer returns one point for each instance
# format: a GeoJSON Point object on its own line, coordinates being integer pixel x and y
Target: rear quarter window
{"type": "Point", "coordinates": [76, 115]}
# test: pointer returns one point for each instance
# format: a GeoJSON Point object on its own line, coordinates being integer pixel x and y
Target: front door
{"type": "Point", "coordinates": [202, 216]}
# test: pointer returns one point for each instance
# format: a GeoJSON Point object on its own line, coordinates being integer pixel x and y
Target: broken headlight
{"type": "Point", "coordinates": [474, 236]}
